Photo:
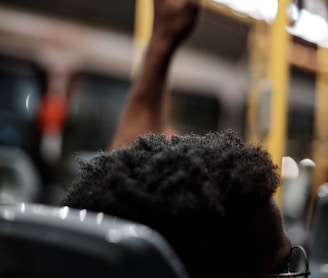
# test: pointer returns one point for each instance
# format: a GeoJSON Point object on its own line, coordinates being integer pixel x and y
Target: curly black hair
{"type": "Point", "coordinates": [198, 191]}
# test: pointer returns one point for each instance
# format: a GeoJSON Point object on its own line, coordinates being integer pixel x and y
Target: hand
{"type": "Point", "coordinates": [174, 20]}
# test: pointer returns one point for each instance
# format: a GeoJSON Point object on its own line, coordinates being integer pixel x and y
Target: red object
{"type": "Point", "coordinates": [53, 112]}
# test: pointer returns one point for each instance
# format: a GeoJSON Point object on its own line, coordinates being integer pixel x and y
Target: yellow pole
{"type": "Point", "coordinates": [258, 56]}
{"type": "Point", "coordinates": [144, 15]}
{"type": "Point", "coordinates": [278, 75]}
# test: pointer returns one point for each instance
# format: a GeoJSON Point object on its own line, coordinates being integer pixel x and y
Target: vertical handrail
{"type": "Point", "coordinates": [269, 50]}
{"type": "Point", "coordinates": [143, 24]}
{"type": "Point", "coordinates": [278, 74]}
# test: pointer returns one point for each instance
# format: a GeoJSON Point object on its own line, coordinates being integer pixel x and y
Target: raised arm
{"type": "Point", "coordinates": [145, 110]}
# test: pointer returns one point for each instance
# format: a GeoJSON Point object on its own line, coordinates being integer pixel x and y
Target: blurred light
{"type": "Point", "coordinates": [63, 212]}
{"type": "Point", "coordinates": [293, 12]}
{"type": "Point", "coordinates": [27, 99]}
{"type": "Point", "coordinates": [310, 27]}
{"type": "Point", "coordinates": [243, 6]}
{"type": "Point", "coordinates": [27, 102]}
{"type": "Point", "coordinates": [289, 168]}
{"type": "Point", "coordinates": [31, 102]}
{"type": "Point", "coordinates": [323, 190]}
{"type": "Point", "coordinates": [259, 9]}
{"type": "Point", "coordinates": [268, 9]}
{"type": "Point", "coordinates": [307, 162]}
{"type": "Point", "coordinates": [22, 207]}
{"type": "Point", "coordinates": [83, 214]}
{"type": "Point", "coordinates": [100, 218]}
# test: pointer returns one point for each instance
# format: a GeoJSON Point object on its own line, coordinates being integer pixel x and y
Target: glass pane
{"type": "Point", "coordinates": [21, 87]}
{"type": "Point", "coordinates": [94, 111]}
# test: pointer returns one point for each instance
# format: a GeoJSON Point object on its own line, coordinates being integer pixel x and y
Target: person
{"type": "Point", "coordinates": [146, 107]}
{"type": "Point", "coordinates": [211, 196]}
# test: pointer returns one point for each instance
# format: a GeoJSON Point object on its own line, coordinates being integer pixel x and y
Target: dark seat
{"type": "Point", "coordinates": [318, 243]}
{"type": "Point", "coordinates": [19, 177]}
{"type": "Point", "coordinates": [43, 241]}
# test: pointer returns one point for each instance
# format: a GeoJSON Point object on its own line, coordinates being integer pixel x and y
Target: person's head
{"type": "Point", "coordinates": [210, 196]}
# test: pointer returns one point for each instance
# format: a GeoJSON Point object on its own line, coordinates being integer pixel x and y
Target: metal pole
{"type": "Point", "coordinates": [278, 75]}
{"type": "Point", "coordinates": [144, 15]}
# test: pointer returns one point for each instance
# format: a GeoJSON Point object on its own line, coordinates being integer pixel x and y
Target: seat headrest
{"type": "Point", "coordinates": [44, 241]}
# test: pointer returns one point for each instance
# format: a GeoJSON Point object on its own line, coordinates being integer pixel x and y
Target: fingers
{"type": "Point", "coordinates": [174, 20]}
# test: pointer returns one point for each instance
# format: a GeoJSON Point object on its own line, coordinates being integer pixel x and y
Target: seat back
{"type": "Point", "coordinates": [20, 180]}
{"type": "Point", "coordinates": [44, 241]}
{"type": "Point", "coordinates": [318, 243]}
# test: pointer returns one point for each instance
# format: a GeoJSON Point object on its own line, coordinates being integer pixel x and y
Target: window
{"type": "Point", "coordinates": [21, 88]}
{"type": "Point", "coordinates": [198, 113]}
{"type": "Point", "coordinates": [95, 108]}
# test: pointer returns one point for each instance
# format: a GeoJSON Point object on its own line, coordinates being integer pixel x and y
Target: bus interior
{"type": "Point", "coordinates": [66, 68]}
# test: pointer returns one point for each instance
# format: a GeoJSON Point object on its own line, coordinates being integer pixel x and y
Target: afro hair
{"type": "Point", "coordinates": [203, 185]}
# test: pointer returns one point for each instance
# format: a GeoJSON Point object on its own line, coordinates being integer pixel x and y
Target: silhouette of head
{"type": "Point", "coordinates": [210, 196]}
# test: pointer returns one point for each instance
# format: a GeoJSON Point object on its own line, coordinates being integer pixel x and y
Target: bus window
{"type": "Point", "coordinates": [301, 114]}
{"type": "Point", "coordinates": [94, 111]}
{"type": "Point", "coordinates": [21, 88]}
{"type": "Point", "coordinates": [191, 112]}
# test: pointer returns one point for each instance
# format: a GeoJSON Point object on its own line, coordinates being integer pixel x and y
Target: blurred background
{"type": "Point", "coordinates": [259, 67]}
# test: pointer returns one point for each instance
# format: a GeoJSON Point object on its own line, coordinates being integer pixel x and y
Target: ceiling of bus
{"type": "Point", "coordinates": [215, 34]}
{"type": "Point", "coordinates": [107, 13]}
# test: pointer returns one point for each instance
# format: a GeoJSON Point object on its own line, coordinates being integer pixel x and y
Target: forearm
{"type": "Point", "coordinates": [145, 110]}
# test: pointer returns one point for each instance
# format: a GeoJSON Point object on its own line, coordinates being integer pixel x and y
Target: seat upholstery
{"type": "Point", "coordinates": [318, 243]}
{"type": "Point", "coordinates": [44, 241]}
{"type": "Point", "coordinates": [20, 180]}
